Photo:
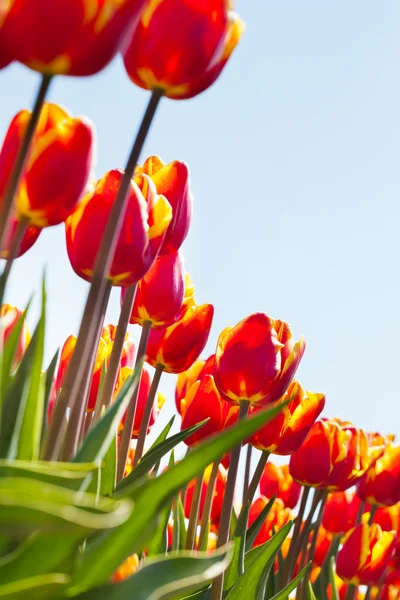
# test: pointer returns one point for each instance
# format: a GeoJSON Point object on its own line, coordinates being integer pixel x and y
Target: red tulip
{"type": "Point", "coordinates": [187, 378]}
{"type": "Point", "coordinates": [144, 225]}
{"type": "Point", "coordinates": [181, 46]}
{"type": "Point", "coordinates": [277, 481]}
{"type": "Point", "coordinates": [381, 484]}
{"type": "Point", "coordinates": [9, 316]}
{"type": "Point", "coordinates": [341, 510]}
{"type": "Point", "coordinates": [218, 497]}
{"type": "Point", "coordinates": [277, 517]}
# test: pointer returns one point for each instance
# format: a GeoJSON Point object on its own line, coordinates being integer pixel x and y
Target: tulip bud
{"type": "Point", "coordinates": [145, 222]}
{"type": "Point", "coordinates": [381, 484]}
{"type": "Point", "coordinates": [160, 293]}
{"type": "Point", "coordinates": [159, 55]}
{"type": "Point", "coordinates": [9, 316]}
{"type": "Point", "coordinates": [256, 360]}
{"type": "Point", "coordinates": [187, 378]}
{"type": "Point", "coordinates": [341, 511]}
{"type": "Point", "coordinates": [67, 37]}
{"type": "Point", "coordinates": [173, 182]}
{"type": "Point", "coordinates": [178, 346]}
{"type": "Point", "coordinates": [365, 554]}
{"type": "Point", "coordinates": [277, 481]}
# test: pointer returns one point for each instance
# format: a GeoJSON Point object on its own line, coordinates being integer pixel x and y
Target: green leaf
{"type": "Point", "coordinates": [44, 587]}
{"type": "Point", "coordinates": [49, 379]}
{"type": "Point", "coordinates": [163, 435]}
{"type": "Point", "coordinates": [8, 352]}
{"type": "Point", "coordinates": [27, 505]}
{"type": "Point", "coordinates": [179, 533]}
{"type": "Point", "coordinates": [156, 453]}
{"type": "Point", "coordinates": [251, 584]}
{"type": "Point", "coordinates": [165, 578]}
{"type": "Point", "coordinates": [159, 543]}
{"type": "Point", "coordinates": [236, 566]}
{"type": "Point", "coordinates": [321, 583]}
{"type": "Point", "coordinates": [254, 529]}
{"type": "Point", "coordinates": [310, 592]}
{"type": "Point", "coordinates": [334, 589]}
{"type": "Point", "coordinates": [28, 438]}
{"type": "Point", "coordinates": [104, 556]}
{"type": "Point", "coordinates": [68, 475]}
{"type": "Point", "coordinates": [284, 594]}
{"type": "Point", "coordinates": [204, 543]}
{"type": "Point", "coordinates": [97, 443]}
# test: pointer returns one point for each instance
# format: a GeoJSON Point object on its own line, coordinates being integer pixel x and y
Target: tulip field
{"type": "Point", "coordinates": [89, 507]}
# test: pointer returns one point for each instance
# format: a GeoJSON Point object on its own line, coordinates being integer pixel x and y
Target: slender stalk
{"type": "Point", "coordinates": [106, 395]}
{"type": "Point", "coordinates": [292, 554]}
{"type": "Point", "coordinates": [224, 525]}
{"type": "Point", "coordinates": [144, 425]}
{"type": "Point", "coordinates": [131, 410]}
{"type": "Point", "coordinates": [208, 502]}
{"type": "Point", "coordinates": [247, 471]}
{"type": "Point", "coordinates": [372, 514]}
{"type": "Point", "coordinates": [368, 594]}
{"type": "Point", "coordinates": [92, 311]}
{"type": "Point", "coordinates": [78, 411]}
{"type": "Point", "coordinates": [12, 255]}
{"type": "Point", "coordinates": [86, 426]}
{"type": "Point", "coordinates": [316, 528]}
{"type": "Point", "coordinates": [255, 480]}
{"type": "Point", "coordinates": [351, 592]}
{"type": "Point", "coordinates": [194, 513]}
{"type": "Point", "coordinates": [18, 168]}
{"type": "Point", "coordinates": [360, 512]}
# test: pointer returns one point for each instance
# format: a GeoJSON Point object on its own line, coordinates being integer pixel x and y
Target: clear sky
{"type": "Point", "coordinates": [294, 157]}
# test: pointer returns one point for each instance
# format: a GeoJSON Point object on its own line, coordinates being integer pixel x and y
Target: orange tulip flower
{"type": "Point", "coordinates": [9, 316]}
{"type": "Point", "coordinates": [128, 568]}
{"type": "Point", "coordinates": [365, 554]}
{"type": "Point", "coordinates": [67, 37]}
{"type": "Point", "coordinates": [178, 346]}
{"type": "Point", "coordinates": [159, 55]}
{"type": "Point", "coordinates": [256, 360]}
{"type": "Point", "coordinates": [29, 237]}
{"type": "Point", "coordinates": [218, 497]}
{"type": "Point", "coordinates": [173, 182]}
{"type": "Point", "coordinates": [160, 293]}
{"type": "Point", "coordinates": [144, 225]}
{"type": "Point", "coordinates": [57, 169]}
{"type": "Point", "coordinates": [277, 517]}
{"type": "Point", "coordinates": [285, 433]}
{"type": "Point", "coordinates": [341, 510]}
{"type": "Point", "coordinates": [334, 456]}
{"type": "Point", "coordinates": [277, 481]}
{"type": "Point", "coordinates": [187, 378]}
{"type": "Point", "coordinates": [144, 389]}
{"type": "Point", "coordinates": [381, 483]}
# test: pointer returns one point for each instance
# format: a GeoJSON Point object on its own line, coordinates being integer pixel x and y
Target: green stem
{"type": "Point", "coordinates": [99, 283]}
{"type": "Point", "coordinates": [144, 424]}
{"type": "Point", "coordinates": [19, 165]}
{"type": "Point", "coordinates": [316, 528]}
{"type": "Point", "coordinates": [106, 396]}
{"type": "Point", "coordinates": [194, 513]}
{"type": "Point", "coordinates": [224, 525]}
{"type": "Point", "coordinates": [247, 469]}
{"type": "Point", "coordinates": [292, 554]}
{"type": "Point", "coordinates": [208, 502]}
{"type": "Point", "coordinates": [360, 512]}
{"type": "Point", "coordinates": [16, 240]}
{"type": "Point", "coordinates": [255, 480]}
{"type": "Point", "coordinates": [351, 592]}
{"type": "Point", "coordinates": [131, 410]}
{"type": "Point", "coordinates": [368, 594]}
{"type": "Point", "coordinates": [372, 514]}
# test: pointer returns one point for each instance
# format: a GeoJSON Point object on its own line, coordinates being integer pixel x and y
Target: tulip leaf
{"type": "Point", "coordinates": [334, 589]}
{"type": "Point", "coordinates": [310, 592]}
{"type": "Point", "coordinates": [255, 527]}
{"type": "Point", "coordinates": [236, 566]}
{"type": "Point", "coordinates": [179, 532]}
{"type": "Point", "coordinates": [68, 475]}
{"type": "Point", "coordinates": [104, 556]}
{"type": "Point", "coordinates": [321, 583]}
{"type": "Point", "coordinates": [165, 578]}
{"type": "Point", "coordinates": [8, 353]}
{"type": "Point", "coordinates": [163, 435]}
{"type": "Point", "coordinates": [43, 587]}
{"type": "Point", "coordinates": [284, 594]}
{"type": "Point", "coordinates": [251, 585]}
{"type": "Point", "coordinates": [159, 543]}
{"type": "Point", "coordinates": [49, 380]}
{"type": "Point", "coordinates": [156, 453]}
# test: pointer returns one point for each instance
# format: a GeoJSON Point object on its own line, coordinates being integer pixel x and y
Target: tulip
{"type": "Point", "coordinates": [144, 389]}
{"type": "Point", "coordinates": [322, 547]}
{"type": "Point", "coordinates": [187, 378]}
{"type": "Point", "coordinates": [286, 432]}
{"type": "Point", "coordinates": [9, 317]}
{"type": "Point", "coordinates": [181, 47]}
{"type": "Point", "coordinates": [176, 348]}
{"type": "Point", "coordinates": [145, 222]}
{"type": "Point", "coordinates": [340, 512]}
{"type": "Point", "coordinates": [218, 495]}
{"type": "Point", "coordinates": [388, 517]}
{"type": "Point", "coordinates": [29, 237]}
{"type": "Point", "coordinates": [381, 484]}
{"type": "Point", "coordinates": [365, 554]}
{"type": "Point", "coordinates": [128, 568]}
{"type": "Point", "coordinates": [67, 37]}
{"type": "Point", "coordinates": [277, 481]}
{"type": "Point", "coordinates": [173, 182]}
{"type": "Point", "coordinates": [57, 168]}
{"type": "Point", "coordinates": [256, 360]}
{"type": "Point", "coordinates": [277, 517]}
{"type": "Point", "coordinates": [160, 293]}
{"type": "Point", "coordinates": [334, 456]}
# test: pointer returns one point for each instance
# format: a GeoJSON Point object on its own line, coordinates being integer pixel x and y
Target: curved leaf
{"type": "Point", "coordinates": [284, 594]}
{"type": "Point", "coordinates": [44, 587]}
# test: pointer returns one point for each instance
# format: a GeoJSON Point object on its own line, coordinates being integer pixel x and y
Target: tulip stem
{"type": "Point", "coordinates": [247, 469]}
{"type": "Point", "coordinates": [106, 395]}
{"type": "Point", "coordinates": [18, 169]}
{"type": "Point", "coordinates": [368, 594]}
{"type": "Point", "coordinates": [16, 240]}
{"type": "Point", "coordinates": [351, 592]}
{"type": "Point", "coordinates": [131, 410]}
{"type": "Point", "coordinates": [251, 491]}
{"type": "Point", "coordinates": [360, 512]}
{"type": "Point", "coordinates": [372, 514]}
{"type": "Point", "coordinates": [144, 424]}
{"type": "Point", "coordinates": [224, 525]}
{"type": "Point", "coordinates": [292, 554]}
{"type": "Point", "coordinates": [208, 502]}
{"type": "Point", "coordinates": [194, 513]}
{"type": "Point", "coordinates": [99, 283]}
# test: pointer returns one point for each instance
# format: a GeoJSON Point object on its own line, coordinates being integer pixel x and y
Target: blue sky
{"type": "Point", "coordinates": [294, 156]}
